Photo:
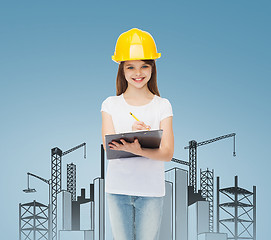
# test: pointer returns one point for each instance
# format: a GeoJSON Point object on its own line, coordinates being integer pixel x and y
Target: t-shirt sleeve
{"type": "Point", "coordinates": [166, 109]}
{"type": "Point", "coordinates": [106, 106]}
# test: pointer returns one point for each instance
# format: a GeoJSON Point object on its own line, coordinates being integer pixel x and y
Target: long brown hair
{"type": "Point", "coordinates": [121, 83]}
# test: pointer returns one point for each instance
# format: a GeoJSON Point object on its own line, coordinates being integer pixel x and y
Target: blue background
{"type": "Point", "coordinates": [56, 69]}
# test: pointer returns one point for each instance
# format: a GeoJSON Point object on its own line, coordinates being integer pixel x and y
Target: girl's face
{"type": "Point", "coordinates": [137, 73]}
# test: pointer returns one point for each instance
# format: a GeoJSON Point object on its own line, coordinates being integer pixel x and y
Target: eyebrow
{"type": "Point", "coordinates": [130, 64]}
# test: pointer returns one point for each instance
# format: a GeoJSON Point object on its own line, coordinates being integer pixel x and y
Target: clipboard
{"type": "Point", "coordinates": [147, 139]}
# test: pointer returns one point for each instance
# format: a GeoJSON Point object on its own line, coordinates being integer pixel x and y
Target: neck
{"type": "Point", "coordinates": [135, 92]}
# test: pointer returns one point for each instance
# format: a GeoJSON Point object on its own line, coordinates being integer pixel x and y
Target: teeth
{"type": "Point", "coordinates": [138, 78]}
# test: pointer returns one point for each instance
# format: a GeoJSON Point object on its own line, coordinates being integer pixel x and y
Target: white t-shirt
{"type": "Point", "coordinates": [138, 176]}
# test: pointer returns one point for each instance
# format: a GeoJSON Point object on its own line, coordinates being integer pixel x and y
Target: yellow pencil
{"type": "Point", "coordinates": [137, 119]}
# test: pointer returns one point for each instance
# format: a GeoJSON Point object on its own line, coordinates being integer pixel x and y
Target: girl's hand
{"type": "Point", "coordinates": [138, 125]}
{"type": "Point", "coordinates": [133, 147]}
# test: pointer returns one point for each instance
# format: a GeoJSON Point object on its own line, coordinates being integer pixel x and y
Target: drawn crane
{"type": "Point", "coordinates": [205, 174]}
{"type": "Point", "coordinates": [54, 185]}
{"type": "Point", "coordinates": [193, 157]}
{"type": "Point", "coordinates": [34, 220]}
{"type": "Point", "coordinates": [56, 160]}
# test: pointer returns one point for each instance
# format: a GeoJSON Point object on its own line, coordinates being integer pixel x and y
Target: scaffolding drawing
{"type": "Point", "coordinates": [207, 192]}
{"type": "Point", "coordinates": [193, 164]}
{"type": "Point", "coordinates": [71, 180]}
{"type": "Point", "coordinates": [33, 221]}
{"type": "Point", "coordinates": [236, 211]}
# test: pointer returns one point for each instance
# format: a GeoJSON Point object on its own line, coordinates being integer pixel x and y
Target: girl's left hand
{"type": "Point", "coordinates": [133, 147]}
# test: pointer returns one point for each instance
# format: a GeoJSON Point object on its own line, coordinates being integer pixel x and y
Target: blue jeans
{"type": "Point", "coordinates": [135, 217]}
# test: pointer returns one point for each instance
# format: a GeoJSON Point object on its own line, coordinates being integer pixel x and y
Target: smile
{"type": "Point", "coordinates": [138, 79]}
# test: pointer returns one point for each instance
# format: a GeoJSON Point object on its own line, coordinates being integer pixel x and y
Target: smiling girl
{"type": "Point", "coordinates": [135, 187]}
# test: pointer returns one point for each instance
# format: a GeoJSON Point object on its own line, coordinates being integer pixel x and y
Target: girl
{"type": "Point", "coordinates": [135, 186]}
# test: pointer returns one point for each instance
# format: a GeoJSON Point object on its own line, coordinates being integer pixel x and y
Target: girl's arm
{"type": "Point", "coordinates": [164, 153]}
{"type": "Point", "coordinates": [107, 126]}
{"type": "Point", "coordinates": [166, 150]}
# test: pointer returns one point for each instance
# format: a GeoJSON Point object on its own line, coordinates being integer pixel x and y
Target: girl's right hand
{"type": "Point", "coordinates": [138, 125]}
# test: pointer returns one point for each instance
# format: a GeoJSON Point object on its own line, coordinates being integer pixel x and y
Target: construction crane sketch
{"type": "Point", "coordinates": [188, 213]}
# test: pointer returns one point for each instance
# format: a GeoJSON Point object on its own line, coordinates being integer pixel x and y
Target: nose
{"type": "Point", "coordinates": [138, 72]}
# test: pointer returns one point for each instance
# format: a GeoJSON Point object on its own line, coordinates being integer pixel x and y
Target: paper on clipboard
{"type": "Point", "coordinates": [147, 139]}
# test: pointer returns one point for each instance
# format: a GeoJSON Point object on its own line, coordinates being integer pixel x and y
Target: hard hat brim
{"type": "Point", "coordinates": [130, 59]}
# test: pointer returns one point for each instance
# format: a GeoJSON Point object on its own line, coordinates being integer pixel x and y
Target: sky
{"type": "Point", "coordinates": [56, 69]}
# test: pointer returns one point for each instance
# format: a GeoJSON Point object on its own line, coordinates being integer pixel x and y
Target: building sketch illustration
{"type": "Point", "coordinates": [189, 213]}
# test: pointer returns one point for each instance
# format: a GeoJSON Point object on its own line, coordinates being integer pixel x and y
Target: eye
{"type": "Point", "coordinates": [130, 67]}
{"type": "Point", "coordinates": [145, 66]}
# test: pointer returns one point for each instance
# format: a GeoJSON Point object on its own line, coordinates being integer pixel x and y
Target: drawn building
{"type": "Point", "coordinates": [175, 213]}
{"type": "Point", "coordinates": [187, 213]}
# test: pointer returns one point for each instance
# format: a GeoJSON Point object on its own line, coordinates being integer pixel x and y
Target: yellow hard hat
{"type": "Point", "coordinates": [135, 44]}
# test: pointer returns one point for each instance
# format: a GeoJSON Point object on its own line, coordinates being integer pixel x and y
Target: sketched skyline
{"type": "Point", "coordinates": [56, 70]}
